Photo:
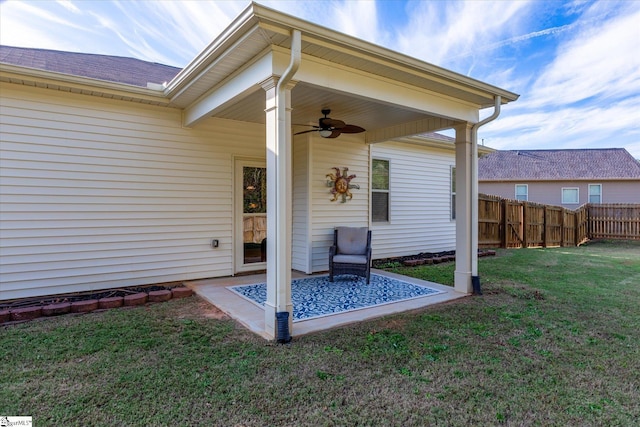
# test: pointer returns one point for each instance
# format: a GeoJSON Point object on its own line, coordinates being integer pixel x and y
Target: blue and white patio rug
{"type": "Point", "coordinates": [317, 297]}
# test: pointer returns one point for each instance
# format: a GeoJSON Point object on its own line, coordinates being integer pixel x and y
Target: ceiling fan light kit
{"type": "Point", "coordinates": [332, 128]}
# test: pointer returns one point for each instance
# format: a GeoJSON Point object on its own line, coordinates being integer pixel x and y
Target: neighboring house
{"type": "Point", "coordinates": [118, 172]}
{"type": "Point", "coordinates": [568, 178]}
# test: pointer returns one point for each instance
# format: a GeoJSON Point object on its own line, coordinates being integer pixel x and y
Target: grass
{"type": "Point", "coordinates": [555, 340]}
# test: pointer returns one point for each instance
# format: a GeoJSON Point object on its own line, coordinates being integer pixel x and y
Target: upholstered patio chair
{"type": "Point", "coordinates": [350, 252]}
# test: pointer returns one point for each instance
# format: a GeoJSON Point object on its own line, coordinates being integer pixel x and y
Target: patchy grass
{"type": "Point", "coordinates": [555, 340]}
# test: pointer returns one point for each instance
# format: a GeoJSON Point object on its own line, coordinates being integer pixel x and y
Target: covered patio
{"type": "Point", "coordinates": [250, 315]}
{"type": "Point", "coordinates": [279, 71]}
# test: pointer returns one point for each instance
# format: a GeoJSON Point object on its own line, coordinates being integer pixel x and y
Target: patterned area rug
{"type": "Point", "coordinates": [317, 297]}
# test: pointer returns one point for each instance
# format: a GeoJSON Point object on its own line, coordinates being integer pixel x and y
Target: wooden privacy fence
{"type": "Point", "coordinates": [614, 221]}
{"type": "Point", "coordinates": [516, 224]}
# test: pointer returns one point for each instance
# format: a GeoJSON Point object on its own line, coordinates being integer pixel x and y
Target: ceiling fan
{"type": "Point", "coordinates": [332, 128]}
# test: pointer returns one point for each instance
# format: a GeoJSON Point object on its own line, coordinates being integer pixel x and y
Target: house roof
{"type": "Point", "coordinates": [555, 165]}
{"type": "Point", "coordinates": [115, 69]}
{"type": "Point", "coordinates": [388, 93]}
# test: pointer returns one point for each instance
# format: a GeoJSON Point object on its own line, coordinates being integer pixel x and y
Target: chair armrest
{"type": "Point", "coordinates": [333, 250]}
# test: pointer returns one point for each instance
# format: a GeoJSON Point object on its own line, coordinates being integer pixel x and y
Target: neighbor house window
{"type": "Point", "coordinates": [595, 193]}
{"type": "Point", "coordinates": [570, 196]}
{"type": "Point", "coordinates": [453, 192]}
{"type": "Point", "coordinates": [379, 190]}
{"type": "Point", "coordinates": [522, 192]}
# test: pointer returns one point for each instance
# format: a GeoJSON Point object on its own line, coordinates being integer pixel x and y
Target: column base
{"type": "Point", "coordinates": [270, 321]}
{"type": "Point", "coordinates": [462, 282]}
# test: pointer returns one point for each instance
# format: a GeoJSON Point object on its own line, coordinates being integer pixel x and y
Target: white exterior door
{"type": "Point", "coordinates": [251, 215]}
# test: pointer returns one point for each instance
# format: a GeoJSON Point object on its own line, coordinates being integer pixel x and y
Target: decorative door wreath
{"type": "Point", "coordinates": [340, 184]}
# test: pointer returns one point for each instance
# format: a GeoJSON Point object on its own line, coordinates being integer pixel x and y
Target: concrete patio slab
{"type": "Point", "coordinates": [252, 317]}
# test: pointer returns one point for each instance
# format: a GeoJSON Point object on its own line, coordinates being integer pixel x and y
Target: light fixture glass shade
{"type": "Point", "coordinates": [325, 133]}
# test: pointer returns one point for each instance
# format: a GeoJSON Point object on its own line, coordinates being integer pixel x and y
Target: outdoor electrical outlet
{"type": "Point", "coordinates": [215, 243]}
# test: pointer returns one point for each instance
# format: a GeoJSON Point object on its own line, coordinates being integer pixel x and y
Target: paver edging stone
{"type": "Point", "coordinates": [136, 299]}
{"type": "Point", "coordinates": [56, 309]}
{"type": "Point", "coordinates": [85, 306]}
{"type": "Point", "coordinates": [26, 313]}
{"type": "Point", "coordinates": [110, 302]}
{"type": "Point", "coordinates": [160, 296]}
{"type": "Point", "coordinates": [5, 316]}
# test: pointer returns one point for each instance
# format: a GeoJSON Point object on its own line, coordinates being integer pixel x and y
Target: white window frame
{"type": "Point", "coordinates": [452, 190]}
{"type": "Point", "coordinates": [565, 202]}
{"type": "Point", "coordinates": [526, 192]}
{"type": "Point", "coordinates": [599, 193]}
{"type": "Point", "coordinates": [378, 190]}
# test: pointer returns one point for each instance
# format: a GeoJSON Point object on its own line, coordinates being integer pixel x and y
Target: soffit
{"type": "Point", "coordinates": [308, 101]}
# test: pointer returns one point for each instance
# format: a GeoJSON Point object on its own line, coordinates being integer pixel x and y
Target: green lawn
{"type": "Point", "coordinates": [555, 340]}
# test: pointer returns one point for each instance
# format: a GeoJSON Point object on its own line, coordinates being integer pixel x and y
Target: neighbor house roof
{"type": "Point", "coordinates": [115, 69]}
{"type": "Point", "coordinates": [555, 165]}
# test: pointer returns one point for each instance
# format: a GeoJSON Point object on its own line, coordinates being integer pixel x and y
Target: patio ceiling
{"type": "Point", "coordinates": [308, 100]}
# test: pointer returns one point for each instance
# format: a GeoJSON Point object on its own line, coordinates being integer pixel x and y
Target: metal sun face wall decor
{"type": "Point", "coordinates": [340, 185]}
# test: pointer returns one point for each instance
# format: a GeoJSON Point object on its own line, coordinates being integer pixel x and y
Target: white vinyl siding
{"type": "Point", "coordinates": [301, 249]}
{"type": "Point", "coordinates": [522, 192]}
{"type": "Point", "coordinates": [595, 193]}
{"type": "Point", "coordinates": [98, 193]}
{"type": "Point", "coordinates": [420, 201]}
{"type": "Point", "coordinates": [570, 196]}
{"type": "Point", "coordinates": [347, 151]}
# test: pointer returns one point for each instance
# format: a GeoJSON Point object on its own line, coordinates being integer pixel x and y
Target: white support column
{"type": "Point", "coordinates": [279, 205]}
{"type": "Point", "coordinates": [271, 128]}
{"type": "Point", "coordinates": [464, 176]}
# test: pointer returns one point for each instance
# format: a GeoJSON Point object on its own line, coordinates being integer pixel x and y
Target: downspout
{"type": "Point", "coordinates": [475, 279]}
{"type": "Point", "coordinates": [283, 160]}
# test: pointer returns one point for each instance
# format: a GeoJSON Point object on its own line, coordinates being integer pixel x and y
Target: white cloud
{"type": "Point", "coordinates": [30, 25]}
{"type": "Point", "coordinates": [602, 60]}
{"type": "Point", "coordinates": [440, 32]}
{"type": "Point", "coordinates": [578, 127]}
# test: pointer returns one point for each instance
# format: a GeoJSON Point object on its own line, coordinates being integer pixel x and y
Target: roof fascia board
{"type": "Point", "coordinates": [240, 83]}
{"type": "Point", "coordinates": [359, 83]}
{"type": "Point", "coordinates": [329, 38]}
{"type": "Point", "coordinates": [174, 91]}
{"type": "Point", "coordinates": [83, 84]}
{"type": "Point", "coordinates": [479, 89]}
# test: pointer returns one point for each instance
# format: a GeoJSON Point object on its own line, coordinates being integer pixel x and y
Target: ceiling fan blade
{"type": "Point", "coordinates": [306, 131]}
{"type": "Point", "coordinates": [332, 123]}
{"type": "Point", "coordinates": [336, 133]}
{"type": "Point", "coordinates": [352, 129]}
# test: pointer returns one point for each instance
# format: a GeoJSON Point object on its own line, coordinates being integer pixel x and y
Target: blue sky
{"type": "Point", "coordinates": [576, 64]}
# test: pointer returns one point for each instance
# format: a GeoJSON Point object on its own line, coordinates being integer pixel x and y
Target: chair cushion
{"type": "Point", "coordinates": [350, 259]}
{"type": "Point", "coordinates": [352, 240]}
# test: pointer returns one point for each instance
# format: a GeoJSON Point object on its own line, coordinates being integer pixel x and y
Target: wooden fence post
{"type": "Point", "coordinates": [524, 217]}
{"type": "Point", "coordinates": [505, 226]}
{"type": "Point", "coordinates": [562, 215]}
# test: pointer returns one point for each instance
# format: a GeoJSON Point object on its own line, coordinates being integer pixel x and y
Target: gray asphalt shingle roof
{"type": "Point", "coordinates": [102, 67]}
{"type": "Point", "coordinates": [553, 165]}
